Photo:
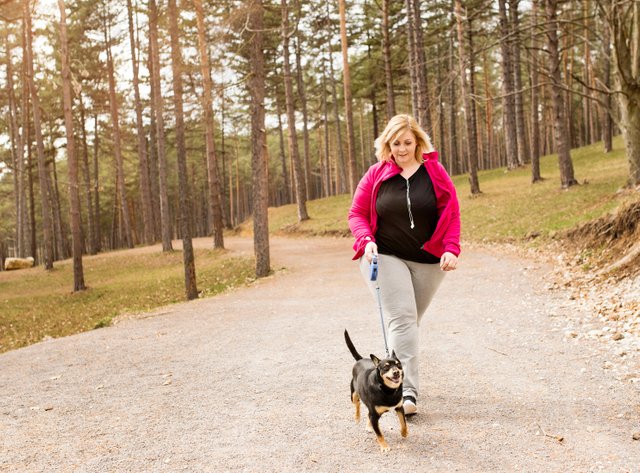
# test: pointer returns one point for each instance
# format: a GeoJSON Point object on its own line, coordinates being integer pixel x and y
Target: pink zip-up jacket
{"type": "Point", "coordinates": [363, 219]}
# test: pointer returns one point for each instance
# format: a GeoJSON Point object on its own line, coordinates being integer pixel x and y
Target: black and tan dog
{"type": "Point", "coordinates": [378, 384]}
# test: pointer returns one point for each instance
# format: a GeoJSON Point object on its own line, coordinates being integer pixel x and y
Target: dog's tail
{"type": "Point", "coordinates": [352, 349]}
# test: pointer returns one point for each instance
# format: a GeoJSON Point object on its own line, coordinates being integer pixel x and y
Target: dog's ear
{"type": "Point", "coordinates": [375, 359]}
{"type": "Point", "coordinates": [394, 356]}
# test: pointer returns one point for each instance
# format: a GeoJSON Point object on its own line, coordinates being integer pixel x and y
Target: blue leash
{"type": "Point", "coordinates": [373, 276]}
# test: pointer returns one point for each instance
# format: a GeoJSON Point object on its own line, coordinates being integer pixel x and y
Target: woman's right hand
{"type": "Point", "coordinates": [370, 250]}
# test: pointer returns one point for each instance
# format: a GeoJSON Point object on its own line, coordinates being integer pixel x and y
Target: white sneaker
{"type": "Point", "coordinates": [409, 406]}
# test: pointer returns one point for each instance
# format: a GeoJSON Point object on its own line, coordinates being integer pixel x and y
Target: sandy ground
{"type": "Point", "coordinates": [257, 380]}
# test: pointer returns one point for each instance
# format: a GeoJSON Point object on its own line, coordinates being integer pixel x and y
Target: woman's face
{"type": "Point", "coordinates": [403, 148]}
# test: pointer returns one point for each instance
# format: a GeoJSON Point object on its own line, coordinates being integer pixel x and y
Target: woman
{"type": "Point", "coordinates": [406, 211]}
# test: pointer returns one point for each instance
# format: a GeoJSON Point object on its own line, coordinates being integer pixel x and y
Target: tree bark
{"type": "Point", "coordinates": [72, 163]}
{"type": "Point", "coordinates": [469, 111]}
{"type": "Point", "coordinates": [291, 119]}
{"type": "Point", "coordinates": [388, 65]}
{"type": "Point", "coordinates": [454, 158]}
{"type": "Point", "coordinates": [86, 174]}
{"type": "Point", "coordinates": [411, 46]}
{"type": "Point", "coordinates": [26, 127]}
{"type": "Point", "coordinates": [624, 21]}
{"type": "Point", "coordinates": [326, 175]}
{"type": "Point", "coordinates": [287, 196]}
{"type": "Point", "coordinates": [143, 164]}
{"type": "Point", "coordinates": [259, 141]}
{"type": "Point", "coordinates": [567, 178]}
{"type": "Point", "coordinates": [117, 141]}
{"type": "Point", "coordinates": [521, 130]}
{"type": "Point", "coordinates": [184, 220]}
{"type": "Point", "coordinates": [607, 121]}
{"type": "Point", "coordinates": [535, 101]}
{"type": "Point", "coordinates": [43, 174]}
{"type": "Point", "coordinates": [424, 107]}
{"type": "Point", "coordinates": [18, 160]}
{"type": "Point", "coordinates": [212, 161]}
{"type": "Point", "coordinates": [509, 109]}
{"type": "Point", "coordinates": [341, 174]}
{"type": "Point", "coordinates": [348, 100]}
{"type": "Point", "coordinates": [158, 103]}
{"type": "Point", "coordinates": [96, 183]}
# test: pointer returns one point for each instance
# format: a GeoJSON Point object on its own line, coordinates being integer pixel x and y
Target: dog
{"type": "Point", "coordinates": [378, 384]}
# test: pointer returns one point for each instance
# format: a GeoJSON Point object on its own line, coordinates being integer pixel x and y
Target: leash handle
{"type": "Point", "coordinates": [373, 269]}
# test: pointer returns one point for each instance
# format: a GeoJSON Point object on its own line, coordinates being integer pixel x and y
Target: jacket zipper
{"type": "Point", "coordinates": [409, 205]}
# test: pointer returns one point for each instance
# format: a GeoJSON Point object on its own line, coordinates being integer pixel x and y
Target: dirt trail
{"type": "Point", "coordinates": [258, 380]}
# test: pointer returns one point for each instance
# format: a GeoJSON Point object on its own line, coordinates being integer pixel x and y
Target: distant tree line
{"type": "Point", "coordinates": [129, 122]}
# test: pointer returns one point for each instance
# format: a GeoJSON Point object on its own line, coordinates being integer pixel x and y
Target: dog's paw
{"type": "Point", "coordinates": [404, 432]}
{"type": "Point", "coordinates": [385, 448]}
{"type": "Point", "coordinates": [369, 427]}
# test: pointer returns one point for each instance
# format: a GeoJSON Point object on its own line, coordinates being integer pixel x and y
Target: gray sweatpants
{"type": "Point", "coordinates": [406, 290]}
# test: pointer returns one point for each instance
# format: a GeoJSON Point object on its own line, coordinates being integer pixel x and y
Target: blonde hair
{"type": "Point", "coordinates": [397, 126]}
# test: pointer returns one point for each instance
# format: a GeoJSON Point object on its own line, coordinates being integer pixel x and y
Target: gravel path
{"type": "Point", "coordinates": [257, 380]}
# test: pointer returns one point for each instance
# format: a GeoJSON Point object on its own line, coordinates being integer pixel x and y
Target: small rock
{"type": "Point", "coordinates": [636, 436]}
{"type": "Point", "coordinates": [617, 336]}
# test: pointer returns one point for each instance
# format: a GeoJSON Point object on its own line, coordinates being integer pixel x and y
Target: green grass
{"type": "Point", "coordinates": [509, 208]}
{"type": "Point", "coordinates": [37, 304]}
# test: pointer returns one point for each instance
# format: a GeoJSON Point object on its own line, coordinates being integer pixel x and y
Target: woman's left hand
{"type": "Point", "coordinates": [448, 261]}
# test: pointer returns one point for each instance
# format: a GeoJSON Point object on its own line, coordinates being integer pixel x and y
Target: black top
{"type": "Point", "coordinates": [397, 214]}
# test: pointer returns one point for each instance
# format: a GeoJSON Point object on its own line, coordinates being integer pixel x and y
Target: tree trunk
{"type": "Point", "coordinates": [469, 112]}
{"type": "Point", "coordinates": [43, 174]}
{"type": "Point", "coordinates": [535, 101]}
{"type": "Point", "coordinates": [509, 109]}
{"type": "Point", "coordinates": [212, 161]}
{"type": "Point", "coordinates": [259, 141]}
{"type": "Point", "coordinates": [341, 175]}
{"type": "Point", "coordinates": [388, 66]}
{"type": "Point", "coordinates": [411, 51]}
{"type": "Point", "coordinates": [117, 143]}
{"type": "Point", "coordinates": [567, 178]}
{"type": "Point", "coordinates": [86, 174]}
{"type": "Point", "coordinates": [158, 103]}
{"type": "Point", "coordinates": [60, 234]}
{"type": "Point", "coordinates": [72, 163]}
{"type": "Point", "coordinates": [607, 125]}
{"type": "Point", "coordinates": [453, 126]}
{"type": "Point", "coordinates": [185, 227]}
{"type": "Point", "coordinates": [625, 29]}
{"type": "Point", "coordinates": [302, 94]}
{"type": "Point", "coordinates": [33, 245]}
{"type": "Point", "coordinates": [154, 175]}
{"type": "Point", "coordinates": [326, 175]}
{"type": "Point", "coordinates": [521, 130]}
{"type": "Point", "coordinates": [291, 119]}
{"type": "Point", "coordinates": [18, 161]}
{"type": "Point", "coordinates": [490, 131]}
{"type": "Point", "coordinates": [287, 196]}
{"type": "Point", "coordinates": [143, 164]}
{"type": "Point", "coordinates": [424, 108]}
{"type": "Point", "coordinates": [348, 101]}
{"type": "Point", "coordinates": [96, 183]}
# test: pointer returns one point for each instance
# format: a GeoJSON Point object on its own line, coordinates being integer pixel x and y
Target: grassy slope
{"type": "Point", "coordinates": [36, 304]}
{"type": "Point", "coordinates": [509, 207]}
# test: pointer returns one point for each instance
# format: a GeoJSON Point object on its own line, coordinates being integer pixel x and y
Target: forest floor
{"type": "Point", "coordinates": [257, 379]}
